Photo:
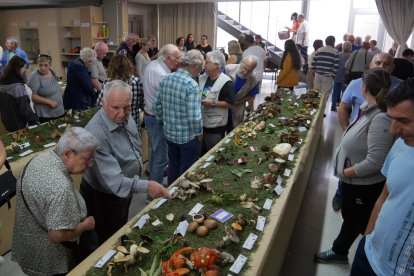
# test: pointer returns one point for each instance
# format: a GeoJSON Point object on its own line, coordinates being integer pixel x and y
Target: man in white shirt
{"type": "Point", "coordinates": [257, 51]}
{"type": "Point", "coordinates": [169, 59]}
{"type": "Point", "coordinates": [302, 40]}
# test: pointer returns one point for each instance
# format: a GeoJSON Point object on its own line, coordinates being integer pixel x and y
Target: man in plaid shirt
{"type": "Point", "coordinates": [177, 106]}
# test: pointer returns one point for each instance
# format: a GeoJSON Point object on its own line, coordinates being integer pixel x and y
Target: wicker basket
{"type": "Point", "coordinates": [283, 35]}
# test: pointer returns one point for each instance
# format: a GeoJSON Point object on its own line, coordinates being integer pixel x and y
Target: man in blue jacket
{"type": "Point", "coordinates": [13, 50]}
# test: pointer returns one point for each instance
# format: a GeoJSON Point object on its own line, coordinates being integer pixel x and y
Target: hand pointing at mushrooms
{"type": "Point", "coordinates": [156, 190]}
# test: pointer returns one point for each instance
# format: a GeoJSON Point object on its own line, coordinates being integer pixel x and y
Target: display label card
{"type": "Point", "coordinates": [302, 129]}
{"type": "Point", "coordinates": [240, 161]}
{"type": "Point", "coordinates": [253, 148]}
{"type": "Point", "coordinates": [261, 220]}
{"type": "Point", "coordinates": [211, 157]}
{"type": "Point", "coordinates": [219, 149]}
{"type": "Point", "coordinates": [49, 145]}
{"type": "Point", "coordinates": [9, 158]}
{"type": "Point", "coordinates": [182, 228]}
{"type": "Point", "coordinates": [105, 258]}
{"type": "Point", "coordinates": [272, 125]}
{"type": "Point", "coordinates": [205, 165]}
{"type": "Point", "coordinates": [287, 172]}
{"type": "Point", "coordinates": [278, 190]}
{"type": "Point", "coordinates": [142, 220]}
{"type": "Point", "coordinates": [32, 127]}
{"type": "Point", "coordinates": [313, 112]}
{"type": "Point", "coordinates": [279, 180]}
{"type": "Point", "coordinates": [159, 203]}
{"type": "Point", "coordinates": [24, 145]}
{"type": "Point", "coordinates": [62, 125]}
{"type": "Point", "coordinates": [249, 243]}
{"type": "Point", "coordinates": [238, 264]}
{"type": "Point", "coordinates": [291, 157]}
{"type": "Point", "coordinates": [308, 122]}
{"type": "Point", "coordinates": [27, 152]}
{"type": "Point", "coordinates": [227, 141]}
{"type": "Point", "coordinates": [268, 204]}
{"type": "Point", "coordinates": [222, 215]}
{"type": "Point", "coordinates": [196, 209]}
{"type": "Point", "coordinates": [300, 141]}
{"type": "Point", "coordinates": [296, 104]}
{"type": "Point", "coordinates": [293, 149]}
{"type": "Point", "coordinates": [173, 190]}
{"type": "Point", "coordinates": [231, 134]}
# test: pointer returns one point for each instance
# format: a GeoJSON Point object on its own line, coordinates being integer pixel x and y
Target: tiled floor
{"type": "Point", "coordinates": [317, 224]}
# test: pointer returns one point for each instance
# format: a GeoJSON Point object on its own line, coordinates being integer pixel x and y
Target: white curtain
{"type": "Point", "coordinates": [398, 18]}
{"type": "Point", "coordinates": [177, 20]}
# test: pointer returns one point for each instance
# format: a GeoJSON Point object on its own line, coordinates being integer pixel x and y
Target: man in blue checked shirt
{"type": "Point", "coordinates": [177, 106]}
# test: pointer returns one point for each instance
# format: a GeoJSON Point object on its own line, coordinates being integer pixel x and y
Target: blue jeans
{"type": "Point", "coordinates": [361, 265]}
{"type": "Point", "coordinates": [336, 94]}
{"type": "Point", "coordinates": [159, 149]}
{"type": "Point", "coordinates": [181, 157]}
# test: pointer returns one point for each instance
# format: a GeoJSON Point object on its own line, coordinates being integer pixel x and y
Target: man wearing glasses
{"type": "Point", "coordinates": [108, 186]}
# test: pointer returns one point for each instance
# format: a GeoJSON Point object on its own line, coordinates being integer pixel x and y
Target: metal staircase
{"type": "Point", "coordinates": [234, 28]}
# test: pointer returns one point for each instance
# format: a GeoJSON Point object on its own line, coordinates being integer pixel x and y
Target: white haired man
{"type": "Point", "coordinates": [217, 98]}
{"type": "Point", "coordinates": [168, 60]}
{"type": "Point", "coordinates": [177, 107]}
{"type": "Point", "coordinates": [108, 186]}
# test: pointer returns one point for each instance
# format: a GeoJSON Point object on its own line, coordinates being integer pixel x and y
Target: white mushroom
{"type": "Point", "coordinates": [282, 149]}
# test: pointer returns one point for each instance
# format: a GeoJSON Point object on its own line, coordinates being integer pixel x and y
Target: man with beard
{"type": "Point", "coordinates": [245, 84]}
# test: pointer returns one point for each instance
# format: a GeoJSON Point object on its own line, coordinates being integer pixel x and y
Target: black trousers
{"type": "Point", "coordinates": [358, 202]}
{"type": "Point", "coordinates": [110, 211]}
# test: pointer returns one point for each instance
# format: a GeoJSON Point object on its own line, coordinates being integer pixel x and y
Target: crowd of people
{"type": "Point", "coordinates": [191, 96]}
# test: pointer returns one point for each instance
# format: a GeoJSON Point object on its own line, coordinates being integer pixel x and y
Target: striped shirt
{"type": "Point", "coordinates": [178, 106]}
{"type": "Point", "coordinates": [326, 61]}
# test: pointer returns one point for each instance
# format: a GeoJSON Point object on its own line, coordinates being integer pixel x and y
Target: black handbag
{"type": "Point", "coordinates": [7, 185]}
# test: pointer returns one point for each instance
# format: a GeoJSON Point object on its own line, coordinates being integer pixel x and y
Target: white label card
{"type": "Point", "coordinates": [293, 149]}
{"type": "Point", "coordinates": [62, 126]}
{"type": "Point", "coordinates": [142, 220]}
{"type": "Point", "coordinates": [159, 203]}
{"type": "Point", "coordinates": [302, 129]}
{"type": "Point", "coordinates": [249, 243]}
{"type": "Point", "coordinates": [300, 141]}
{"type": "Point", "coordinates": [231, 134]}
{"type": "Point", "coordinates": [27, 152]}
{"type": "Point", "coordinates": [291, 157]}
{"type": "Point", "coordinates": [25, 145]}
{"type": "Point", "coordinates": [173, 190]}
{"type": "Point", "coordinates": [296, 104]}
{"type": "Point", "coordinates": [227, 141]}
{"type": "Point", "coordinates": [211, 157]}
{"type": "Point", "coordinates": [272, 125]}
{"type": "Point", "coordinates": [206, 165]}
{"type": "Point", "coordinates": [196, 209]}
{"type": "Point", "coordinates": [279, 180]}
{"type": "Point", "coordinates": [268, 204]}
{"type": "Point", "coordinates": [308, 122]}
{"type": "Point", "coordinates": [49, 145]}
{"type": "Point", "coordinates": [182, 228]}
{"type": "Point", "coordinates": [9, 158]}
{"type": "Point", "coordinates": [32, 127]}
{"type": "Point", "coordinates": [238, 264]}
{"type": "Point", "coordinates": [261, 220]}
{"type": "Point", "coordinates": [278, 190]}
{"type": "Point", "coordinates": [219, 149]}
{"type": "Point", "coordinates": [105, 258]}
{"type": "Point", "coordinates": [287, 172]}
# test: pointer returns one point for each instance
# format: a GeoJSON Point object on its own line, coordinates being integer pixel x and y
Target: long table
{"type": "Point", "coordinates": [269, 256]}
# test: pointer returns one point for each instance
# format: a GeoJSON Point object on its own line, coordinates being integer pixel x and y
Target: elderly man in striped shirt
{"type": "Point", "coordinates": [325, 65]}
{"type": "Point", "coordinates": [177, 106]}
